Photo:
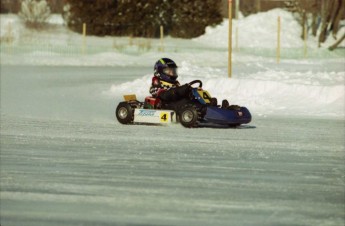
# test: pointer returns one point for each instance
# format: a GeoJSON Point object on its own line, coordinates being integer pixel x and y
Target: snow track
{"type": "Point", "coordinates": [57, 171]}
{"type": "Point", "coordinates": [66, 161]}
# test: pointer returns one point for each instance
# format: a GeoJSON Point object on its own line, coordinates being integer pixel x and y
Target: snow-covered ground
{"type": "Point", "coordinates": [312, 86]}
{"type": "Point", "coordinates": [66, 161]}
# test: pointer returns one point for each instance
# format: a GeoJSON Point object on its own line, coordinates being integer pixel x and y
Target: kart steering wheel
{"type": "Point", "coordinates": [194, 82]}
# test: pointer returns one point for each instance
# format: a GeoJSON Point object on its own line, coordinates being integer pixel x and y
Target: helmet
{"type": "Point", "coordinates": [166, 69]}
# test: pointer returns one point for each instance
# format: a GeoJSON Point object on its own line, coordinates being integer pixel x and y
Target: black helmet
{"type": "Point", "coordinates": [166, 69]}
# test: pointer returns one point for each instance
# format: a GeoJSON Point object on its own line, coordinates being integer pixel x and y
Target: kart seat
{"type": "Point", "coordinates": [152, 102]}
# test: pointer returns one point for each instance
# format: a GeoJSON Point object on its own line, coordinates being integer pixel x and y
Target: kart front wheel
{"type": "Point", "coordinates": [124, 113]}
{"type": "Point", "coordinates": [188, 116]}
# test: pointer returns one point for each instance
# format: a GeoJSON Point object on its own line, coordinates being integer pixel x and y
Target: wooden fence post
{"type": "Point", "coordinates": [161, 39]}
{"type": "Point", "coordinates": [305, 41]}
{"type": "Point", "coordinates": [230, 41]}
{"type": "Point", "coordinates": [10, 37]}
{"type": "Point", "coordinates": [84, 39]}
{"type": "Point", "coordinates": [258, 6]}
{"type": "Point", "coordinates": [278, 41]}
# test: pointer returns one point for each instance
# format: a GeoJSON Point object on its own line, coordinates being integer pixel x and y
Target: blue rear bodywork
{"type": "Point", "coordinates": [224, 116]}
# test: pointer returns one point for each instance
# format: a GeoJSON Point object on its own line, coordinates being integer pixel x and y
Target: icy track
{"type": "Point", "coordinates": [66, 161]}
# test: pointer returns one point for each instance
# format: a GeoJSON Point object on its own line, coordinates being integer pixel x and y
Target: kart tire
{"type": "Point", "coordinates": [188, 116]}
{"type": "Point", "coordinates": [234, 107]}
{"type": "Point", "coordinates": [124, 113]}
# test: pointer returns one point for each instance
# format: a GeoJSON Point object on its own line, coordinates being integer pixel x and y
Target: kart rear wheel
{"type": "Point", "coordinates": [188, 116]}
{"type": "Point", "coordinates": [124, 113]}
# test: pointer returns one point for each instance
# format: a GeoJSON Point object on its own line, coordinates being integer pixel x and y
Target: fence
{"type": "Point", "coordinates": [60, 41]}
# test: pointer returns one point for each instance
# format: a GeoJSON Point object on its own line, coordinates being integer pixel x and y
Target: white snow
{"type": "Point", "coordinates": [65, 160]}
{"type": "Point", "coordinates": [260, 31]}
{"type": "Point", "coordinates": [312, 86]}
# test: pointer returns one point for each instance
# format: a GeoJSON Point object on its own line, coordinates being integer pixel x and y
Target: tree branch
{"type": "Point", "coordinates": [334, 46]}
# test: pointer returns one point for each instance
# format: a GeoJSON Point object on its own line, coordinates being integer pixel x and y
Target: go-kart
{"type": "Point", "coordinates": [199, 108]}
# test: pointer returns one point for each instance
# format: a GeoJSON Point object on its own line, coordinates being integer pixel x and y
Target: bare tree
{"type": "Point", "coordinates": [333, 11]}
{"type": "Point", "coordinates": [335, 45]}
{"type": "Point", "coordinates": [34, 13]}
{"type": "Point", "coordinates": [303, 8]}
{"type": "Point", "coordinates": [330, 12]}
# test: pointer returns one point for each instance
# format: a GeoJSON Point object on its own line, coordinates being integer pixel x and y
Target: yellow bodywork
{"type": "Point", "coordinates": [130, 97]}
{"type": "Point", "coordinates": [205, 95]}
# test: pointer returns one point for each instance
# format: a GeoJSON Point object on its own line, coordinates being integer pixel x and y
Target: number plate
{"type": "Point", "coordinates": [154, 116]}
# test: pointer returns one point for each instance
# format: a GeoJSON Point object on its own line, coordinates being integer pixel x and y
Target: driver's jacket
{"type": "Point", "coordinates": [159, 86]}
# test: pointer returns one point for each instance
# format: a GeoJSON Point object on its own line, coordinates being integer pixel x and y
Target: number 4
{"type": "Point", "coordinates": [205, 96]}
{"type": "Point", "coordinates": [164, 117]}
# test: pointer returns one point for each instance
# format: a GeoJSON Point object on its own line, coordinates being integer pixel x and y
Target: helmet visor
{"type": "Point", "coordinates": [170, 71]}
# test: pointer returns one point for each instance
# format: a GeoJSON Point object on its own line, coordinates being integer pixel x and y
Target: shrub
{"type": "Point", "coordinates": [34, 13]}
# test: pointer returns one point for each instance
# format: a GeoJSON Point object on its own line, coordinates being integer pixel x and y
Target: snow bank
{"type": "Point", "coordinates": [10, 27]}
{"type": "Point", "coordinates": [313, 86]}
{"type": "Point", "coordinates": [55, 19]}
{"type": "Point", "coordinates": [264, 93]}
{"type": "Point", "coordinates": [260, 31]}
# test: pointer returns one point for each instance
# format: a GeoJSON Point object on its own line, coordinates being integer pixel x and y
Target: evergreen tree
{"type": "Point", "coordinates": [95, 14]}
{"type": "Point", "coordinates": [180, 18]}
{"type": "Point", "coordinates": [141, 18]}
{"type": "Point", "coordinates": [190, 18]}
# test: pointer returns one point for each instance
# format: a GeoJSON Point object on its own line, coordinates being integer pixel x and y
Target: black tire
{"type": "Point", "coordinates": [188, 116]}
{"type": "Point", "coordinates": [234, 107]}
{"type": "Point", "coordinates": [214, 101]}
{"type": "Point", "coordinates": [124, 113]}
{"type": "Point", "coordinates": [225, 104]}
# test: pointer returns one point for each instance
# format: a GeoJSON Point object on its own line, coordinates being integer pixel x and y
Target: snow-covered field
{"type": "Point", "coordinates": [66, 161]}
{"type": "Point", "coordinates": [312, 86]}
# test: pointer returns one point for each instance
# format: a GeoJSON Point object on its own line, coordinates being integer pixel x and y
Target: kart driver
{"type": "Point", "coordinates": [164, 82]}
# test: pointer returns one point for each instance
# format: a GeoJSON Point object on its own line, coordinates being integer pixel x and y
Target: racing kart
{"type": "Point", "coordinates": [196, 110]}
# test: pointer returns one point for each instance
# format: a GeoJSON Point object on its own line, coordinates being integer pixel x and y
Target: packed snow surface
{"type": "Point", "coordinates": [66, 160]}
